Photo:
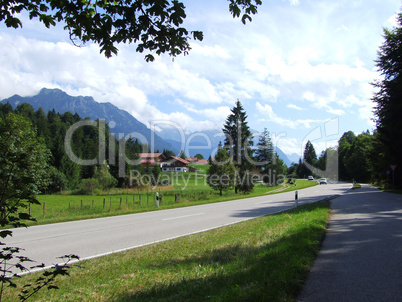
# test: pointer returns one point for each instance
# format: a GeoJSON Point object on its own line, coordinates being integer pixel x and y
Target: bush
{"type": "Point", "coordinates": [89, 186]}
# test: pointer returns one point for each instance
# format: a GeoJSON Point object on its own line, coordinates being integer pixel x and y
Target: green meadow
{"type": "Point", "coordinates": [185, 189]}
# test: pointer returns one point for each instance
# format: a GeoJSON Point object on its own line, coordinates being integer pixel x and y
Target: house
{"type": "Point", "coordinates": [151, 158]}
{"type": "Point", "coordinates": [174, 164]}
{"type": "Point", "coordinates": [202, 162]}
{"type": "Point", "coordinates": [195, 160]}
{"type": "Point", "coordinates": [192, 160]}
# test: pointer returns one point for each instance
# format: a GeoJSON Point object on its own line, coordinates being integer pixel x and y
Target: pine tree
{"type": "Point", "coordinates": [265, 151]}
{"type": "Point", "coordinates": [238, 142]}
{"type": "Point", "coordinates": [309, 159]}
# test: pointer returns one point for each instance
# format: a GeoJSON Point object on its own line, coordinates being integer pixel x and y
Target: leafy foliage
{"type": "Point", "coordinates": [23, 173]}
{"type": "Point", "coordinates": [154, 25]}
{"type": "Point", "coordinates": [388, 99]}
{"type": "Point", "coordinates": [23, 167]}
{"type": "Point", "coordinates": [221, 174]}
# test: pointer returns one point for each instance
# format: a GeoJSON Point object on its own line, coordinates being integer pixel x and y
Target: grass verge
{"type": "Point", "coordinates": [264, 259]}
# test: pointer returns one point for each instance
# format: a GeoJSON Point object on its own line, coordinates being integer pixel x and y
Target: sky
{"type": "Point", "coordinates": [301, 68]}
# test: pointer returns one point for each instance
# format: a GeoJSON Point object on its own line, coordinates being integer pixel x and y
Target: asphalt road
{"type": "Point", "coordinates": [361, 257]}
{"type": "Point", "coordinates": [97, 237]}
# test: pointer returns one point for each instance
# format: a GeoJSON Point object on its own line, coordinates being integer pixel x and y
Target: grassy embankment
{"type": "Point", "coordinates": [264, 259]}
{"type": "Point", "coordinates": [186, 189]}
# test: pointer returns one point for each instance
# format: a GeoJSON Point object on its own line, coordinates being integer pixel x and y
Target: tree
{"type": "Point", "coordinates": [357, 159]}
{"type": "Point", "coordinates": [265, 151]}
{"type": "Point", "coordinates": [279, 170]}
{"type": "Point", "coordinates": [182, 155]}
{"type": "Point", "coordinates": [199, 156]}
{"type": "Point", "coordinates": [221, 173]}
{"type": "Point", "coordinates": [238, 143]}
{"type": "Point", "coordinates": [309, 159]}
{"type": "Point", "coordinates": [154, 25]}
{"type": "Point", "coordinates": [23, 173]}
{"type": "Point", "coordinates": [105, 179]}
{"type": "Point", "coordinates": [343, 147]}
{"type": "Point", "coordinates": [23, 167]}
{"type": "Point", "coordinates": [388, 108]}
{"type": "Point", "coordinates": [168, 153]}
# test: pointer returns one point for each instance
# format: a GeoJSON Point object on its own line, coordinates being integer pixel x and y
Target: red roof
{"type": "Point", "coordinates": [180, 160]}
{"type": "Point", "coordinates": [202, 162]}
{"type": "Point", "coordinates": [149, 155]}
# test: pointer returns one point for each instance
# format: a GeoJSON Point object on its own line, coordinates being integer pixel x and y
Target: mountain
{"type": "Point", "coordinates": [294, 157]}
{"type": "Point", "coordinates": [86, 106]}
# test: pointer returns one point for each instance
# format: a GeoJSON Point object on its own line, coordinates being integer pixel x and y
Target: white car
{"type": "Point", "coordinates": [323, 181]}
{"type": "Point", "coordinates": [310, 178]}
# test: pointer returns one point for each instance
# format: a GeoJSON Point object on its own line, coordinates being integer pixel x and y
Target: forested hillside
{"type": "Point", "coordinates": [64, 173]}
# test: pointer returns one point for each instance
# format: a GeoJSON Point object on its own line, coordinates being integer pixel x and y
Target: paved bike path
{"type": "Point", "coordinates": [361, 256]}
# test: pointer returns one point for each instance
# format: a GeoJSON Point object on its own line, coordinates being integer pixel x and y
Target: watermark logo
{"type": "Point", "coordinates": [326, 134]}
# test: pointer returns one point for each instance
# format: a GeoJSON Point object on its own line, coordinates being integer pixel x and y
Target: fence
{"type": "Point", "coordinates": [140, 199]}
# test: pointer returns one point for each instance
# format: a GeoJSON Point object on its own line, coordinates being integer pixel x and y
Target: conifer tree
{"type": "Point", "coordinates": [265, 151]}
{"type": "Point", "coordinates": [238, 142]}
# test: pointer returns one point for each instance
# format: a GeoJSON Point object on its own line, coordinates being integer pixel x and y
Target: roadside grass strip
{"type": "Point", "coordinates": [264, 259]}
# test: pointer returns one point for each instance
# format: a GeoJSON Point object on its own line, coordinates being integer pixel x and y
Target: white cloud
{"type": "Point", "coordinates": [294, 2]}
{"type": "Point", "coordinates": [321, 53]}
{"type": "Point", "coordinates": [269, 116]}
{"type": "Point", "coordinates": [286, 144]}
{"type": "Point", "coordinates": [293, 106]}
{"type": "Point", "coordinates": [211, 51]}
{"type": "Point", "coordinates": [393, 20]}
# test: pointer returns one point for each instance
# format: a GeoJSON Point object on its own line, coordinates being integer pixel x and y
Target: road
{"type": "Point", "coordinates": [97, 237]}
{"type": "Point", "coordinates": [360, 259]}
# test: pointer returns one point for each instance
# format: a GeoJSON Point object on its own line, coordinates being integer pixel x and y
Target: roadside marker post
{"type": "Point", "coordinates": [157, 199]}
{"type": "Point", "coordinates": [296, 198]}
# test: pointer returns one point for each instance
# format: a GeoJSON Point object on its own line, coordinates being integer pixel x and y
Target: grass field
{"type": "Point", "coordinates": [264, 259]}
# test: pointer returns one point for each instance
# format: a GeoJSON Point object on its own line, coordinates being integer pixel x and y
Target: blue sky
{"type": "Point", "coordinates": [302, 69]}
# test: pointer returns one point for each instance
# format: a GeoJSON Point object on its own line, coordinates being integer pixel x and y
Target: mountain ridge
{"type": "Point", "coordinates": [124, 123]}
{"type": "Point", "coordinates": [86, 106]}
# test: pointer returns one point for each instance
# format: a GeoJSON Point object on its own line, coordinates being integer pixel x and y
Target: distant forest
{"type": "Point", "coordinates": [52, 127]}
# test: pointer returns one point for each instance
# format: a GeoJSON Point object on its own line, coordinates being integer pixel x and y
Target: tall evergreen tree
{"type": "Point", "coordinates": [309, 159]}
{"type": "Point", "coordinates": [388, 110]}
{"type": "Point", "coordinates": [265, 153]}
{"type": "Point", "coordinates": [238, 142]}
